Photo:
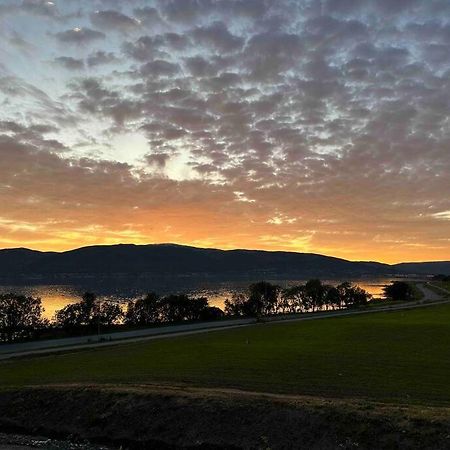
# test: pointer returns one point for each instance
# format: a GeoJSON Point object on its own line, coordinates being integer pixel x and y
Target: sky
{"type": "Point", "coordinates": [307, 125]}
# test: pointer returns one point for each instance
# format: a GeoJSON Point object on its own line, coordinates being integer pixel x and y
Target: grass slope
{"type": "Point", "coordinates": [394, 356]}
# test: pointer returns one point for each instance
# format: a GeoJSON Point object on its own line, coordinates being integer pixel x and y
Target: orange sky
{"type": "Point", "coordinates": [77, 215]}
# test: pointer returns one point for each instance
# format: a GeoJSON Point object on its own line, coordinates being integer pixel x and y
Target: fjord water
{"type": "Point", "coordinates": [56, 296]}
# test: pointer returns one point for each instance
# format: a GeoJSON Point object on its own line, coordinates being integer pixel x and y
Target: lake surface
{"type": "Point", "coordinates": [56, 296]}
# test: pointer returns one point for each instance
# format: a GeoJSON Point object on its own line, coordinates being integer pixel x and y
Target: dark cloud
{"type": "Point", "coordinates": [69, 63]}
{"type": "Point", "coordinates": [40, 8]}
{"type": "Point", "coordinates": [159, 68]}
{"type": "Point", "coordinates": [143, 49]}
{"type": "Point", "coordinates": [185, 10]}
{"type": "Point", "coordinates": [269, 54]}
{"type": "Point", "coordinates": [79, 36]}
{"type": "Point", "coordinates": [146, 48]}
{"type": "Point", "coordinates": [148, 16]}
{"type": "Point", "coordinates": [19, 42]}
{"type": "Point", "coordinates": [114, 20]}
{"type": "Point", "coordinates": [200, 67]}
{"type": "Point", "coordinates": [218, 37]}
{"type": "Point", "coordinates": [100, 57]}
{"type": "Point", "coordinates": [387, 6]}
{"type": "Point", "coordinates": [158, 159]}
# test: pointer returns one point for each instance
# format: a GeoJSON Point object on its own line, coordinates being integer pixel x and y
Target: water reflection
{"type": "Point", "coordinates": [56, 296]}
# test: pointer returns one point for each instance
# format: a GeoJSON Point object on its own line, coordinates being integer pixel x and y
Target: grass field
{"type": "Point", "coordinates": [395, 356]}
{"type": "Point", "coordinates": [443, 285]}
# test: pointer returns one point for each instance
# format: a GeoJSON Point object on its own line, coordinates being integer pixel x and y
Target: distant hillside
{"type": "Point", "coordinates": [424, 268]}
{"type": "Point", "coordinates": [178, 260]}
{"type": "Point", "coordinates": [18, 260]}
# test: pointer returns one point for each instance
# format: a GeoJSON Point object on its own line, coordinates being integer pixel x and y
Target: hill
{"type": "Point", "coordinates": [178, 260]}
{"type": "Point", "coordinates": [424, 268]}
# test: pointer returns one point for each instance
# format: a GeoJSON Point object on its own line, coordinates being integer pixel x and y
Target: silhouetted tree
{"type": "Point", "coordinates": [71, 316]}
{"type": "Point", "coordinates": [144, 311]}
{"type": "Point", "coordinates": [332, 297]}
{"type": "Point", "coordinates": [352, 295]}
{"type": "Point", "coordinates": [399, 290]}
{"type": "Point", "coordinates": [292, 299]}
{"type": "Point", "coordinates": [315, 294]}
{"type": "Point", "coordinates": [107, 313]}
{"type": "Point", "coordinates": [176, 308]}
{"type": "Point", "coordinates": [88, 312]}
{"type": "Point", "coordinates": [211, 313]}
{"type": "Point", "coordinates": [238, 305]}
{"type": "Point", "coordinates": [20, 316]}
{"type": "Point", "coordinates": [171, 308]}
{"type": "Point", "coordinates": [263, 298]}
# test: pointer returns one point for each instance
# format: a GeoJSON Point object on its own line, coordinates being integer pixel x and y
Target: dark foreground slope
{"type": "Point", "coordinates": [176, 260]}
{"type": "Point", "coordinates": [154, 417]}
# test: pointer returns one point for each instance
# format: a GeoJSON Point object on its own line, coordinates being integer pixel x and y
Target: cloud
{"type": "Point", "coordinates": [218, 37]}
{"type": "Point", "coordinates": [114, 20]}
{"type": "Point", "coordinates": [79, 36]}
{"type": "Point", "coordinates": [269, 54]}
{"type": "Point", "coordinates": [159, 68]}
{"type": "Point", "coordinates": [40, 8]}
{"type": "Point", "coordinates": [146, 48]}
{"type": "Point", "coordinates": [148, 16]}
{"type": "Point", "coordinates": [69, 63]}
{"type": "Point", "coordinates": [322, 114]}
{"type": "Point", "coordinates": [100, 57]}
{"type": "Point", "coordinates": [19, 42]}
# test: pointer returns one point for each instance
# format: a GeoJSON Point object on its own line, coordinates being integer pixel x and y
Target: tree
{"type": "Point", "coordinates": [211, 313]}
{"type": "Point", "coordinates": [77, 314]}
{"type": "Point", "coordinates": [352, 295]}
{"type": "Point", "coordinates": [71, 316]}
{"type": "Point", "coordinates": [263, 298]}
{"type": "Point", "coordinates": [176, 308]}
{"type": "Point", "coordinates": [332, 297]}
{"type": "Point", "coordinates": [399, 290]}
{"type": "Point", "coordinates": [292, 299]}
{"type": "Point", "coordinates": [89, 312]}
{"type": "Point", "coordinates": [107, 313]}
{"type": "Point", "coordinates": [237, 305]}
{"type": "Point", "coordinates": [144, 311]}
{"type": "Point", "coordinates": [315, 294]}
{"type": "Point", "coordinates": [20, 316]}
{"type": "Point", "coordinates": [171, 308]}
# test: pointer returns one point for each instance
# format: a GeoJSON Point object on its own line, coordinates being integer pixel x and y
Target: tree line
{"type": "Point", "coordinates": [265, 298]}
{"type": "Point", "coordinates": [21, 317]}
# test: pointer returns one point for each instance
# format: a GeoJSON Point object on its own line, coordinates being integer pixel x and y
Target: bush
{"type": "Point", "coordinates": [399, 290]}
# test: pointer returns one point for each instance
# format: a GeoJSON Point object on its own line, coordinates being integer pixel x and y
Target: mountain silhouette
{"type": "Point", "coordinates": [180, 260]}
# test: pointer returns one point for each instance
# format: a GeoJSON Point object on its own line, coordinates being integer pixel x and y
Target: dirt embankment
{"type": "Point", "coordinates": [138, 417]}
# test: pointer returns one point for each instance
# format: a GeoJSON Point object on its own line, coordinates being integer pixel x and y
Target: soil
{"type": "Point", "coordinates": [165, 417]}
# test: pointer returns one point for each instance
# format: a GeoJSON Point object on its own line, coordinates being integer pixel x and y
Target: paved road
{"type": "Point", "coordinates": [52, 345]}
{"type": "Point", "coordinates": [85, 342]}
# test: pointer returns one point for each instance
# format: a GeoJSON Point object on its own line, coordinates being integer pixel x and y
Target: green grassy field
{"type": "Point", "coordinates": [394, 356]}
{"type": "Point", "coordinates": [444, 285]}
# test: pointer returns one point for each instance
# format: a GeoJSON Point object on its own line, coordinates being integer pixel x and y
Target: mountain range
{"type": "Point", "coordinates": [180, 260]}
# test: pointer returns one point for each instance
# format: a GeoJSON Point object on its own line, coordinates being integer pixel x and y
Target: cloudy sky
{"type": "Point", "coordinates": [317, 126]}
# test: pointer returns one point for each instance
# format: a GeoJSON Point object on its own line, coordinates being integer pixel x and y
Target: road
{"type": "Point", "coordinates": [8, 351]}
